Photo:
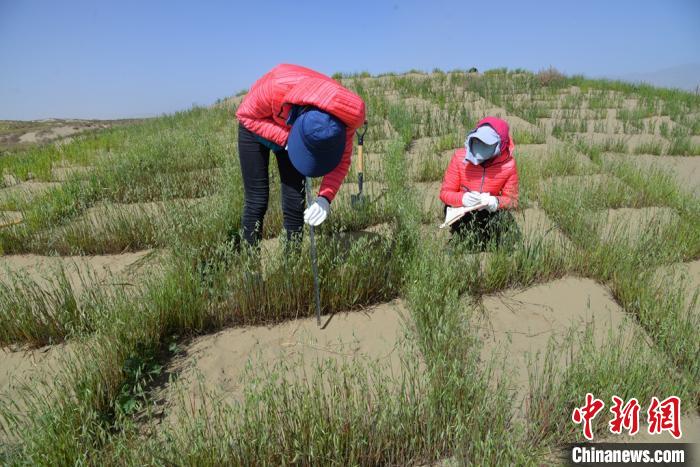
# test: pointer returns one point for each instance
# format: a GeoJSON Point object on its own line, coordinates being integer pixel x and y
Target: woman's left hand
{"type": "Point", "coordinates": [491, 202]}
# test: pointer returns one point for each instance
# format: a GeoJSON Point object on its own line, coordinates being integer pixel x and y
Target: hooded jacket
{"type": "Point", "coordinates": [265, 109]}
{"type": "Point", "coordinates": [497, 176]}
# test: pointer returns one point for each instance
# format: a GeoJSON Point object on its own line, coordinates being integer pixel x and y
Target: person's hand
{"type": "Point", "coordinates": [471, 198]}
{"type": "Point", "coordinates": [317, 212]}
{"type": "Point", "coordinates": [491, 202]}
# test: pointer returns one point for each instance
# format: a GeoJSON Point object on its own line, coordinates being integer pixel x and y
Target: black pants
{"type": "Point", "coordinates": [255, 160]}
{"type": "Point", "coordinates": [481, 230]}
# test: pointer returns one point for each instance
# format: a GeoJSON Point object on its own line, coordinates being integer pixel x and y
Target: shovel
{"type": "Point", "coordinates": [357, 200]}
{"type": "Point", "coordinates": [314, 259]}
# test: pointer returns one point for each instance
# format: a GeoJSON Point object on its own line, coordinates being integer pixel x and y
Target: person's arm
{"type": "Point", "coordinates": [450, 192]}
{"type": "Point", "coordinates": [508, 198]}
{"type": "Point", "coordinates": [333, 180]}
{"type": "Point", "coordinates": [255, 113]}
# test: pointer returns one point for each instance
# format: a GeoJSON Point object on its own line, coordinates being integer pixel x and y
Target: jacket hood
{"type": "Point", "coordinates": [503, 130]}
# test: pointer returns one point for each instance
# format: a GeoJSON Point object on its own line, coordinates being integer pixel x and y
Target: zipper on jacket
{"type": "Point", "coordinates": [483, 168]}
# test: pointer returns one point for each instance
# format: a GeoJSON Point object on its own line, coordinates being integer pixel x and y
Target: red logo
{"type": "Point", "coordinates": [587, 413]}
{"type": "Point", "coordinates": [626, 417]}
{"type": "Point", "coordinates": [661, 416]}
{"type": "Point", "coordinates": [665, 416]}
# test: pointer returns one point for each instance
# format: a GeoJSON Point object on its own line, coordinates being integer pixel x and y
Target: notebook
{"type": "Point", "coordinates": [452, 215]}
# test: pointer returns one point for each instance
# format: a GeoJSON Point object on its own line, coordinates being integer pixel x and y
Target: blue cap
{"type": "Point", "coordinates": [482, 144]}
{"type": "Point", "coordinates": [316, 143]}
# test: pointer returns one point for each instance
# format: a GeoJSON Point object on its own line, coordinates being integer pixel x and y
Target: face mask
{"type": "Point", "coordinates": [479, 152]}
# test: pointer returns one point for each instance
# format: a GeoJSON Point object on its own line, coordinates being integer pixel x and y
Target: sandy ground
{"type": "Point", "coordinates": [22, 366]}
{"type": "Point", "coordinates": [520, 323]}
{"type": "Point", "coordinates": [632, 223]}
{"type": "Point", "coordinates": [532, 150]}
{"type": "Point", "coordinates": [61, 174]}
{"type": "Point", "coordinates": [25, 190]}
{"type": "Point", "coordinates": [534, 224]}
{"type": "Point", "coordinates": [8, 218]}
{"type": "Point", "coordinates": [57, 132]}
{"type": "Point", "coordinates": [81, 271]}
{"type": "Point", "coordinates": [218, 362]}
{"type": "Point", "coordinates": [28, 370]}
{"type": "Point", "coordinates": [422, 147]}
{"type": "Point", "coordinates": [9, 180]}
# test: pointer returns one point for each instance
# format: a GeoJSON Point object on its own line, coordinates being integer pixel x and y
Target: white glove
{"type": "Point", "coordinates": [471, 198]}
{"type": "Point", "coordinates": [317, 212]}
{"type": "Point", "coordinates": [490, 201]}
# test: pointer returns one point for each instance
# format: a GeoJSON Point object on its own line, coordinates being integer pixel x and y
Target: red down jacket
{"type": "Point", "coordinates": [265, 108]}
{"type": "Point", "coordinates": [498, 176]}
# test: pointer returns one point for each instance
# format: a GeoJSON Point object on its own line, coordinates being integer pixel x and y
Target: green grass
{"type": "Point", "coordinates": [102, 408]}
{"type": "Point", "coordinates": [651, 147]}
{"type": "Point", "coordinates": [682, 146]}
{"type": "Point", "coordinates": [625, 367]}
{"type": "Point", "coordinates": [527, 137]}
{"type": "Point", "coordinates": [431, 169]}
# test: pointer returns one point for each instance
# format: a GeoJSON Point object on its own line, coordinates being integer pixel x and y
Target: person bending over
{"type": "Point", "coordinates": [308, 120]}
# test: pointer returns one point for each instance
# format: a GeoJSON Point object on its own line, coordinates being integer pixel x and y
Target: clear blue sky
{"type": "Point", "coordinates": [113, 59]}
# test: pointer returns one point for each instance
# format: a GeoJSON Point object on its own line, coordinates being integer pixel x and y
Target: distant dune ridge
{"type": "Point", "coordinates": [685, 77]}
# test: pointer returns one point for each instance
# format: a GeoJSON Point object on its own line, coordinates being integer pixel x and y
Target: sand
{"type": "Point", "coordinates": [8, 218]}
{"type": "Point", "coordinates": [81, 271]}
{"type": "Point", "coordinates": [218, 362]}
{"type": "Point", "coordinates": [48, 134]}
{"type": "Point", "coordinates": [534, 225]}
{"type": "Point", "coordinates": [61, 174]}
{"type": "Point", "coordinates": [422, 147]}
{"type": "Point", "coordinates": [689, 272]}
{"type": "Point", "coordinates": [520, 324]}
{"type": "Point", "coordinates": [9, 180]}
{"type": "Point", "coordinates": [28, 370]}
{"type": "Point", "coordinates": [22, 366]}
{"type": "Point", "coordinates": [532, 150]}
{"type": "Point", "coordinates": [25, 190]}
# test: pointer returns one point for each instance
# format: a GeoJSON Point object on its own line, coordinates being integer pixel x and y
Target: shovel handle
{"type": "Point", "coordinates": [360, 160]}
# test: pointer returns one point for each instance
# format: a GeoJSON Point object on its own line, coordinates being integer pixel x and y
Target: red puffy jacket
{"type": "Point", "coordinates": [265, 108]}
{"type": "Point", "coordinates": [498, 176]}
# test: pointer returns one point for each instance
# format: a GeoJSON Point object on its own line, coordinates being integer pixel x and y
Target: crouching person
{"type": "Point", "coordinates": [308, 120]}
{"type": "Point", "coordinates": [483, 173]}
